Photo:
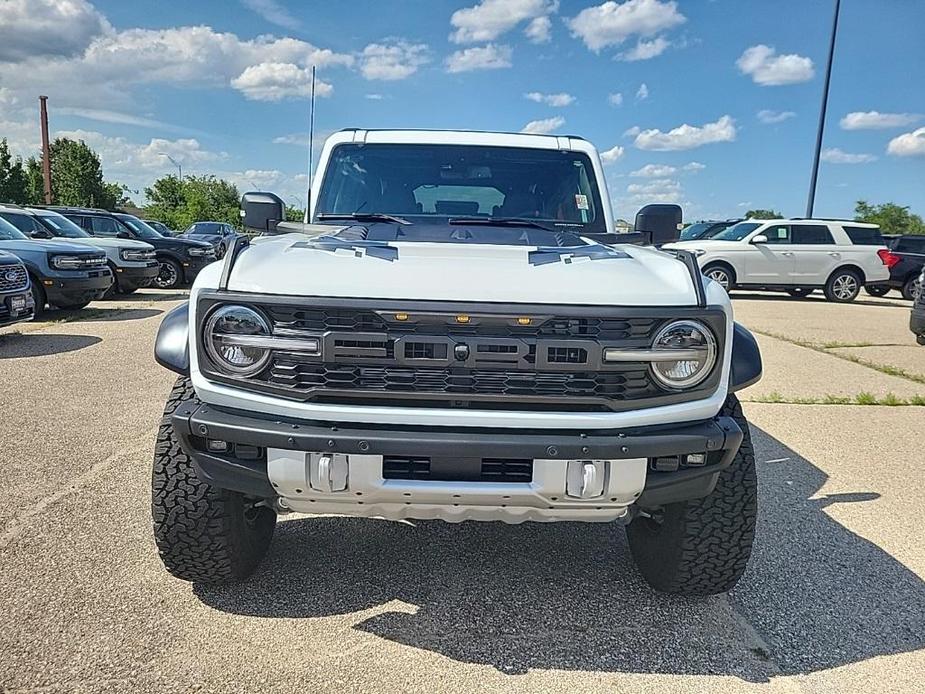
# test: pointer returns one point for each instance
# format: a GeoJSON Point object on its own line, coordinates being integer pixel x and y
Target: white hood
{"type": "Point", "coordinates": [459, 272]}
{"type": "Point", "coordinates": [708, 245]}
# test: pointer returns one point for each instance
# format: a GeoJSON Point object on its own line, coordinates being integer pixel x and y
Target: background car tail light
{"type": "Point", "coordinates": [888, 257]}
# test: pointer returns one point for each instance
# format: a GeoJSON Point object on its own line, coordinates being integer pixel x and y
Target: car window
{"type": "Point", "coordinates": [865, 236]}
{"type": "Point", "coordinates": [778, 233]}
{"type": "Point", "coordinates": [910, 244]}
{"type": "Point", "coordinates": [811, 234]}
{"type": "Point", "coordinates": [25, 223]}
{"type": "Point", "coordinates": [10, 233]}
{"type": "Point", "coordinates": [104, 226]}
{"type": "Point", "coordinates": [737, 232]}
{"type": "Point", "coordinates": [59, 225]}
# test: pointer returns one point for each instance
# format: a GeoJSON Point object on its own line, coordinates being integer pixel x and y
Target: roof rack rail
{"type": "Point", "coordinates": [834, 219]}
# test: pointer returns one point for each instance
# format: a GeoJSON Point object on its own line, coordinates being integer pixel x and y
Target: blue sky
{"type": "Point", "coordinates": [717, 106]}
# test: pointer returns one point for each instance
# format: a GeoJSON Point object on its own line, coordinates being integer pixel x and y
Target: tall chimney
{"type": "Point", "coordinates": [46, 152]}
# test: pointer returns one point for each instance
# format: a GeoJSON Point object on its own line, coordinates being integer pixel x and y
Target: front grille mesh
{"type": "Point", "coordinates": [13, 277]}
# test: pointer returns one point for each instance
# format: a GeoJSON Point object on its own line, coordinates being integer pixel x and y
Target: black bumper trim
{"type": "Point", "coordinates": [77, 289]}
{"type": "Point", "coordinates": [194, 421]}
{"type": "Point", "coordinates": [136, 275]}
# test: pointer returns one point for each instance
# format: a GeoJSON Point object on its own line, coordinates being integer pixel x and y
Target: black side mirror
{"type": "Point", "coordinates": [123, 235]}
{"type": "Point", "coordinates": [40, 234]}
{"type": "Point", "coordinates": [261, 212]}
{"type": "Point", "coordinates": [661, 222]}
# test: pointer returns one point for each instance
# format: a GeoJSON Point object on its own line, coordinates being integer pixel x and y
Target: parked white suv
{"type": "Point", "coordinates": [793, 255]}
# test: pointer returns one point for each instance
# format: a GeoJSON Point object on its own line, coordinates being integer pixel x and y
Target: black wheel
{"type": "Point", "coordinates": [877, 290]}
{"type": "Point", "coordinates": [721, 274]}
{"type": "Point", "coordinates": [38, 296]}
{"type": "Point", "coordinates": [911, 288]}
{"type": "Point", "coordinates": [220, 251]}
{"type": "Point", "coordinates": [73, 307]}
{"type": "Point", "coordinates": [203, 534]}
{"type": "Point", "coordinates": [701, 547]}
{"type": "Point", "coordinates": [843, 286]}
{"type": "Point", "coordinates": [169, 274]}
{"type": "Point", "coordinates": [799, 292]}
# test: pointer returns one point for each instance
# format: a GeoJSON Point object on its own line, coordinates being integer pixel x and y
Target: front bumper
{"type": "Point", "coordinates": [9, 315]}
{"type": "Point", "coordinates": [269, 458]}
{"type": "Point", "coordinates": [77, 290]}
{"type": "Point", "coordinates": [917, 322]}
{"type": "Point", "coordinates": [130, 277]}
{"type": "Point", "coordinates": [192, 266]}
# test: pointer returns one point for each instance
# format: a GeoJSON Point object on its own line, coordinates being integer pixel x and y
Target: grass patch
{"type": "Point", "coordinates": [826, 346]}
{"type": "Point", "coordinates": [864, 398]}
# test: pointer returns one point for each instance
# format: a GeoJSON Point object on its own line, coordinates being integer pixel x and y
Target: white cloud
{"type": "Point", "coordinates": [657, 190]}
{"type": "Point", "coordinates": [687, 136]}
{"type": "Point", "coordinates": [644, 50]}
{"type": "Point", "coordinates": [489, 19]}
{"type": "Point", "coordinates": [611, 155]}
{"type": "Point", "coordinates": [375, 97]}
{"type": "Point", "coordinates": [874, 120]}
{"type": "Point", "coordinates": [118, 154]}
{"type": "Point", "coordinates": [768, 69]}
{"type": "Point", "coordinates": [908, 144]}
{"type": "Point", "coordinates": [557, 100]}
{"type": "Point", "coordinates": [654, 171]}
{"type": "Point", "coordinates": [611, 23]}
{"type": "Point", "coordinates": [32, 28]}
{"type": "Point", "coordinates": [615, 99]}
{"type": "Point", "coordinates": [693, 167]}
{"type": "Point", "coordinates": [632, 132]}
{"type": "Point", "coordinates": [180, 57]}
{"type": "Point", "coordinates": [394, 61]}
{"type": "Point", "coordinates": [300, 139]}
{"type": "Point", "coordinates": [544, 126]}
{"type": "Point", "coordinates": [105, 116]}
{"type": "Point", "coordinates": [488, 57]}
{"type": "Point", "coordinates": [769, 117]}
{"type": "Point", "coordinates": [273, 12]}
{"type": "Point", "coordinates": [833, 155]}
{"type": "Point", "coordinates": [643, 92]}
{"type": "Point", "coordinates": [277, 81]}
{"type": "Point", "coordinates": [538, 30]}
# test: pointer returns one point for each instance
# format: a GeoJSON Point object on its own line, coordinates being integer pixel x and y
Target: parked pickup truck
{"type": "Point", "coordinates": [442, 342]}
{"type": "Point", "coordinates": [132, 262]}
{"type": "Point", "coordinates": [16, 304]}
{"type": "Point", "coordinates": [66, 275]}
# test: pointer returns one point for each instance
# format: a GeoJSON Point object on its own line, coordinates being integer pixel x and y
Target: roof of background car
{"type": "Point", "coordinates": [459, 137]}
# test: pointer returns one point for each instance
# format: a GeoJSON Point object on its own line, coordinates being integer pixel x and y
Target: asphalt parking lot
{"type": "Point", "coordinates": [833, 600]}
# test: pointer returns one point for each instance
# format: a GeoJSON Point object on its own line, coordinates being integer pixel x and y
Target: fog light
{"type": "Point", "coordinates": [668, 463]}
{"type": "Point", "coordinates": [216, 446]}
{"type": "Point", "coordinates": [695, 459]}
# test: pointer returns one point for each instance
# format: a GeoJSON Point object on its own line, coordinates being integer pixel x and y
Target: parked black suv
{"type": "Point", "coordinates": [179, 260]}
{"type": "Point", "coordinates": [220, 234]}
{"type": "Point", "coordinates": [16, 303]}
{"type": "Point", "coordinates": [706, 230]}
{"type": "Point", "coordinates": [909, 253]}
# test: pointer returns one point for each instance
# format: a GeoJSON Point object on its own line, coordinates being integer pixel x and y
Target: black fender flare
{"type": "Point", "coordinates": [171, 346]}
{"type": "Point", "coordinates": [746, 359]}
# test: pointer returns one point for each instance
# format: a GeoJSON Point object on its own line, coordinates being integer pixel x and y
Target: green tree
{"type": "Point", "coordinates": [35, 182]}
{"type": "Point", "coordinates": [76, 177]}
{"type": "Point", "coordinates": [294, 214]}
{"type": "Point", "coordinates": [13, 183]}
{"type": "Point", "coordinates": [194, 199]}
{"type": "Point", "coordinates": [892, 218]}
{"type": "Point", "coordinates": [764, 214]}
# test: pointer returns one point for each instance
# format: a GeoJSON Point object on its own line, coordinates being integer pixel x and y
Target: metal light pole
{"type": "Point", "coordinates": [311, 137]}
{"type": "Point", "coordinates": [825, 103]}
{"type": "Point", "coordinates": [175, 163]}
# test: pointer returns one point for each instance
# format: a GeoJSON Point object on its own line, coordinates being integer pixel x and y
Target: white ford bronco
{"type": "Point", "coordinates": [446, 340]}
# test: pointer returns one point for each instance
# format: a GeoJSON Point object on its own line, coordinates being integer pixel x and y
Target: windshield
{"type": "Point", "coordinates": [737, 232]}
{"type": "Point", "coordinates": [59, 225]}
{"type": "Point", "coordinates": [434, 183]}
{"type": "Point", "coordinates": [205, 228]}
{"type": "Point", "coordinates": [695, 231]}
{"type": "Point", "coordinates": [139, 227]}
{"type": "Point", "coordinates": [8, 232]}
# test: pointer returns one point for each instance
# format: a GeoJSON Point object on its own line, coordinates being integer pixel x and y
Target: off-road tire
{"type": "Point", "coordinates": [176, 274]}
{"type": "Point", "coordinates": [702, 546]}
{"type": "Point", "coordinates": [204, 534]}
{"type": "Point", "coordinates": [38, 296]}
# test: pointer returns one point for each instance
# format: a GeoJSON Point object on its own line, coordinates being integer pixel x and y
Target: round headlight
{"type": "Point", "coordinates": [228, 337]}
{"type": "Point", "coordinates": [690, 353]}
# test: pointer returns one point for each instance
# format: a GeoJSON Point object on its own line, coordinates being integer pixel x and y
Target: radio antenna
{"type": "Point", "coordinates": [311, 140]}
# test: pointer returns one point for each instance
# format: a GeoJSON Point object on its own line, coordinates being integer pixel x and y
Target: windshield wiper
{"type": "Point", "coordinates": [363, 217]}
{"type": "Point", "coordinates": [502, 222]}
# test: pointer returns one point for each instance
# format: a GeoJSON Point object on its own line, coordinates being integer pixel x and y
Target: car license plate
{"type": "Point", "coordinates": [18, 303]}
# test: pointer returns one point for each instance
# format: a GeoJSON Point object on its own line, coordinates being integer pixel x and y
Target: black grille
{"type": "Point", "coordinates": [323, 319]}
{"type": "Point", "coordinates": [506, 470]}
{"type": "Point", "coordinates": [288, 371]}
{"type": "Point", "coordinates": [13, 277]}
